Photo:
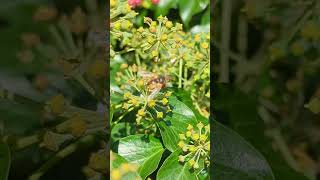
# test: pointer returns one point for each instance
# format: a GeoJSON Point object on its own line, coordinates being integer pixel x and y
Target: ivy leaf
{"type": "Point", "coordinates": [164, 6]}
{"type": "Point", "coordinates": [5, 161]}
{"type": "Point", "coordinates": [239, 111]}
{"type": "Point", "coordinates": [143, 150]}
{"type": "Point", "coordinates": [117, 160]}
{"type": "Point", "coordinates": [172, 169]}
{"type": "Point", "coordinates": [175, 123]}
{"type": "Point", "coordinates": [189, 8]}
{"type": "Point", "coordinates": [234, 158]}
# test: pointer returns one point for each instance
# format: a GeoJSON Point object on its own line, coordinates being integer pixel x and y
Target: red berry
{"type": "Point", "coordinates": [134, 3]}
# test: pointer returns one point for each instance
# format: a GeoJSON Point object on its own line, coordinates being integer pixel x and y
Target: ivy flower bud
{"type": "Point", "coordinates": [192, 148]}
{"type": "Point", "coordinates": [124, 66]}
{"type": "Point", "coordinates": [204, 45]}
{"type": "Point", "coordinates": [188, 133]}
{"type": "Point", "coordinates": [151, 103]}
{"type": "Point", "coordinates": [154, 53]}
{"type": "Point", "coordinates": [189, 127]}
{"type": "Point", "coordinates": [165, 101]}
{"type": "Point", "coordinates": [159, 114]}
{"type": "Point", "coordinates": [181, 144]}
{"type": "Point", "coordinates": [153, 23]}
{"type": "Point", "coordinates": [195, 137]}
{"type": "Point", "coordinates": [117, 25]}
{"type": "Point", "coordinates": [127, 95]}
{"type": "Point", "coordinates": [203, 137]}
{"type": "Point", "coordinates": [197, 37]}
{"type": "Point", "coordinates": [141, 112]}
{"type": "Point", "coordinates": [191, 162]}
{"type": "Point", "coordinates": [200, 125]}
{"type": "Point", "coordinates": [164, 37]}
{"type": "Point", "coordinates": [113, 3]}
{"type": "Point", "coordinates": [182, 137]}
{"type": "Point", "coordinates": [182, 158]}
{"type": "Point", "coordinates": [169, 24]}
{"type": "Point", "coordinates": [168, 94]}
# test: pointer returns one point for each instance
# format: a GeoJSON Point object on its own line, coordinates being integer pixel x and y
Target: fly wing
{"type": "Point", "coordinates": [154, 92]}
{"type": "Point", "coordinates": [146, 74]}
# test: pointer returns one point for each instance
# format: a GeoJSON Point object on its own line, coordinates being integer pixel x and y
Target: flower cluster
{"type": "Point", "coordinates": [164, 47]}
{"type": "Point", "coordinates": [195, 145]}
{"type": "Point", "coordinates": [139, 93]}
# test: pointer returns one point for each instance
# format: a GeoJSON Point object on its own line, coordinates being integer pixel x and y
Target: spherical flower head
{"type": "Point", "coordinates": [159, 115]}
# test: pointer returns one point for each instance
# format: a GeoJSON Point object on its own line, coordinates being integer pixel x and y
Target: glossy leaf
{"type": "Point", "coordinates": [172, 169]}
{"type": "Point", "coordinates": [175, 123]}
{"type": "Point", "coordinates": [189, 8]}
{"type": "Point", "coordinates": [239, 110]}
{"type": "Point", "coordinates": [234, 158]}
{"type": "Point", "coordinates": [145, 151]}
{"type": "Point", "coordinates": [5, 161]}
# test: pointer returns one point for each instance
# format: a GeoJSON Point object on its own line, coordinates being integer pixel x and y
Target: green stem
{"type": "Point", "coordinates": [180, 72]}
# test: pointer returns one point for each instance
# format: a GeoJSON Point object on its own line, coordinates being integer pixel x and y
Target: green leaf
{"type": "Point", "coordinates": [234, 158]}
{"type": "Point", "coordinates": [175, 123]}
{"type": "Point", "coordinates": [189, 8]}
{"type": "Point", "coordinates": [5, 161]}
{"type": "Point", "coordinates": [164, 6]}
{"type": "Point", "coordinates": [145, 151]}
{"type": "Point", "coordinates": [117, 160]}
{"type": "Point", "coordinates": [172, 169]}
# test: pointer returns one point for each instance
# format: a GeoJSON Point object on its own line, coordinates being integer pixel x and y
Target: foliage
{"type": "Point", "coordinates": [153, 65]}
